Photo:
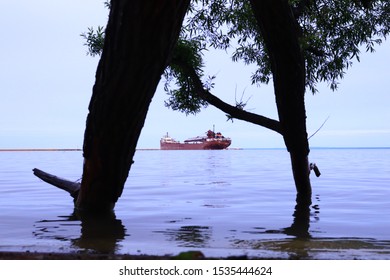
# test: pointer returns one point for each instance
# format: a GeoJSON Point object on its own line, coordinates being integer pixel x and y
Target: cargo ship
{"type": "Point", "coordinates": [211, 141]}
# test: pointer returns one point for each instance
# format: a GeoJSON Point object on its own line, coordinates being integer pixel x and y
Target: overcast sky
{"type": "Point", "coordinates": [47, 78]}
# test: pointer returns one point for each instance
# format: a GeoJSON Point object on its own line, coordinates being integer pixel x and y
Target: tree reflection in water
{"type": "Point", "coordinates": [299, 247]}
{"type": "Point", "coordinates": [99, 234]}
{"type": "Point", "coordinates": [302, 215]}
{"type": "Point", "coordinates": [296, 247]}
{"type": "Point", "coordinates": [189, 236]}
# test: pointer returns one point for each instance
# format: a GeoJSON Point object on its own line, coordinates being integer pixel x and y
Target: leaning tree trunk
{"type": "Point", "coordinates": [140, 37]}
{"type": "Point", "coordinates": [280, 31]}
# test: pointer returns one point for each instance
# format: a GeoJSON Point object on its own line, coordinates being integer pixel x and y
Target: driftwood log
{"type": "Point", "coordinates": [69, 186]}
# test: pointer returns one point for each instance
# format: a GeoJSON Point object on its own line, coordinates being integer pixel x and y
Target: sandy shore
{"type": "Point", "coordinates": [190, 255]}
{"type": "Point", "coordinates": [75, 256]}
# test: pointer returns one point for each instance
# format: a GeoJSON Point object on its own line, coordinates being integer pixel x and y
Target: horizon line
{"type": "Point", "coordinates": [157, 149]}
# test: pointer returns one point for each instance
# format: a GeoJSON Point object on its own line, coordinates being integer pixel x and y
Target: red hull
{"type": "Point", "coordinates": [213, 141]}
{"type": "Point", "coordinates": [207, 145]}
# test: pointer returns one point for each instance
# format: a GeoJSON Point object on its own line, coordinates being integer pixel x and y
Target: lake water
{"type": "Point", "coordinates": [223, 203]}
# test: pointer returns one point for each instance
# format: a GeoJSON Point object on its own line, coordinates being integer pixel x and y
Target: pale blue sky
{"type": "Point", "coordinates": [46, 84]}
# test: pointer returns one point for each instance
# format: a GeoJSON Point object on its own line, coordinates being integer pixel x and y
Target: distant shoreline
{"type": "Point", "coordinates": [57, 150]}
{"type": "Point", "coordinates": [39, 150]}
{"type": "Point", "coordinates": [157, 149]}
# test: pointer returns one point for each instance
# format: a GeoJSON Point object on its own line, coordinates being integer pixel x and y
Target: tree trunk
{"type": "Point", "coordinates": [280, 31]}
{"type": "Point", "coordinates": [140, 37]}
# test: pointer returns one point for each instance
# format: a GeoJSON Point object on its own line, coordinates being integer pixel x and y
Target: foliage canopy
{"type": "Point", "coordinates": [331, 33]}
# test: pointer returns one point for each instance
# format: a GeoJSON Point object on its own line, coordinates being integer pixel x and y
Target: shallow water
{"type": "Point", "coordinates": [224, 203]}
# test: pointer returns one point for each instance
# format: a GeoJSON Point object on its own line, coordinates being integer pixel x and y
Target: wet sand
{"type": "Point", "coordinates": [75, 256]}
{"type": "Point", "coordinates": [191, 255]}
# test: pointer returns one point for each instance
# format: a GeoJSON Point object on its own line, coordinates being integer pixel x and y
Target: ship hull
{"type": "Point", "coordinates": [207, 145]}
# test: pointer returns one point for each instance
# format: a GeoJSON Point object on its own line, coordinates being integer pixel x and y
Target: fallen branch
{"type": "Point", "coordinates": [71, 187]}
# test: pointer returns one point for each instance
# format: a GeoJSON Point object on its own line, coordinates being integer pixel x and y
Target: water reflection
{"type": "Point", "coordinates": [97, 234]}
{"type": "Point", "coordinates": [101, 233]}
{"type": "Point", "coordinates": [302, 217]}
{"type": "Point", "coordinates": [299, 228]}
{"type": "Point", "coordinates": [189, 236]}
{"type": "Point", "coordinates": [299, 245]}
{"type": "Point", "coordinates": [302, 245]}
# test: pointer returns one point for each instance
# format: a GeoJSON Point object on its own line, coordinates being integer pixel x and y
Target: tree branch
{"type": "Point", "coordinates": [71, 187]}
{"type": "Point", "coordinates": [223, 106]}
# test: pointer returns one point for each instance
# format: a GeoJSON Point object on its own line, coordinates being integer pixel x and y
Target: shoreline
{"type": "Point", "coordinates": [56, 150]}
{"type": "Point", "coordinates": [75, 150]}
{"type": "Point", "coordinates": [40, 150]}
{"type": "Point", "coordinates": [187, 255]}
{"type": "Point", "coordinates": [157, 149]}
{"type": "Point", "coordinates": [75, 256]}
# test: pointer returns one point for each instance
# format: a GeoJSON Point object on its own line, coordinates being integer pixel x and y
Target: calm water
{"type": "Point", "coordinates": [233, 202]}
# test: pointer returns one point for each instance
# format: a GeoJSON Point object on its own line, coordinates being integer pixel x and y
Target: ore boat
{"type": "Point", "coordinates": [211, 141]}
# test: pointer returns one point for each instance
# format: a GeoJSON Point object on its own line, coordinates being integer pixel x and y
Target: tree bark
{"type": "Point", "coordinates": [280, 31]}
{"type": "Point", "coordinates": [140, 37]}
